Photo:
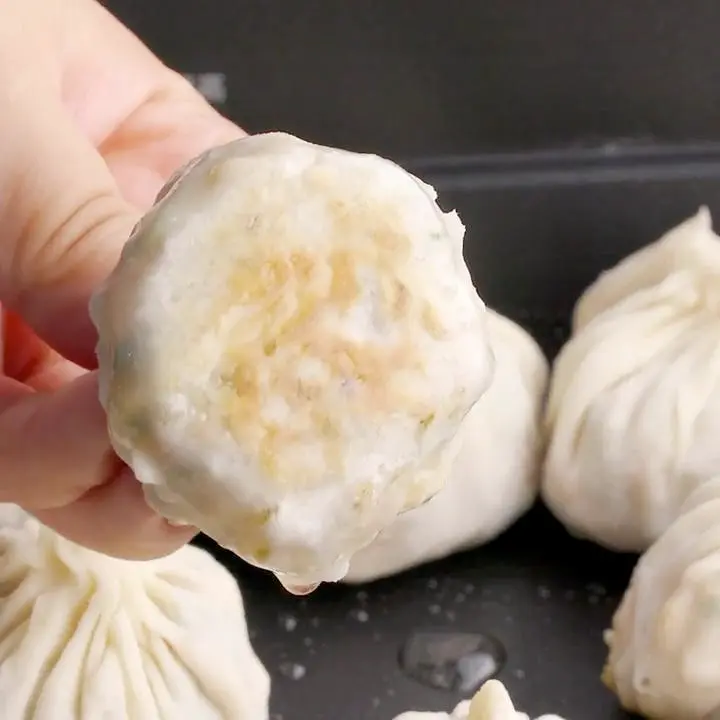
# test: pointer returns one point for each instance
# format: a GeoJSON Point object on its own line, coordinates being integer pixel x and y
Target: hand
{"type": "Point", "coordinates": [91, 125]}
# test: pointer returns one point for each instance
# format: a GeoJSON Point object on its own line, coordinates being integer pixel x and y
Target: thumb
{"type": "Point", "coordinates": [64, 222]}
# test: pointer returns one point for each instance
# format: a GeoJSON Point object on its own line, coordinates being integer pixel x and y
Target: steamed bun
{"type": "Point", "coordinates": [492, 702]}
{"type": "Point", "coordinates": [494, 477]}
{"type": "Point", "coordinates": [87, 637]}
{"type": "Point", "coordinates": [646, 267]}
{"type": "Point", "coordinates": [664, 646]}
{"type": "Point", "coordinates": [287, 347]}
{"type": "Point", "coordinates": [633, 414]}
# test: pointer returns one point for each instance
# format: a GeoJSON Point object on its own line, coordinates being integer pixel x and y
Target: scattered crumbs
{"type": "Point", "coordinates": [294, 671]}
{"type": "Point", "coordinates": [360, 615]}
{"type": "Point", "coordinates": [596, 589]}
{"type": "Point", "coordinates": [434, 609]}
{"type": "Point", "coordinates": [315, 622]}
{"type": "Point", "coordinates": [519, 673]}
{"type": "Point", "coordinates": [252, 634]}
{"type": "Point", "coordinates": [544, 592]}
{"type": "Point", "coordinates": [308, 642]}
{"type": "Point", "coordinates": [432, 584]}
{"type": "Point", "coordinates": [377, 637]}
{"type": "Point", "coordinates": [390, 692]}
{"type": "Point", "coordinates": [450, 615]}
{"type": "Point", "coordinates": [460, 598]}
{"type": "Point", "coordinates": [376, 702]}
{"type": "Point", "coordinates": [362, 596]}
{"type": "Point", "coordinates": [469, 589]}
{"type": "Point", "coordinates": [288, 622]}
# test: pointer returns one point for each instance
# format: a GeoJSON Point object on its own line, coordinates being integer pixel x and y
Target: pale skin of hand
{"type": "Point", "coordinates": [91, 126]}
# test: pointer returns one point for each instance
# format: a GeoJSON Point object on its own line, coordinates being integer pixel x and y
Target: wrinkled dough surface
{"type": "Point", "coordinates": [287, 347]}
{"type": "Point", "coordinates": [84, 637]}
{"type": "Point", "coordinates": [492, 702]}
{"type": "Point", "coordinates": [663, 645]}
{"type": "Point", "coordinates": [687, 245]}
{"type": "Point", "coordinates": [494, 477]}
{"type": "Point", "coordinates": [633, 413]}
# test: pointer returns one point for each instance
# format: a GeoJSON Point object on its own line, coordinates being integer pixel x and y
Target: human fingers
{"type": "Point", "coordinates": [29, 360]}
{"type": "Point", "coordinates": [112, 517]}
{"type": "Point", "coordinates": [115, 520]}
{"type": "Point", "coordinates": [146, 120]}
{"type": "Point", "coordinates": [57, 463]}
{"type": "Point", "coordinates": [53, 445]}
{"type": "Point", "coordinates": [63, 225]}
{"type": "Point", "coordinates": [64, 221]}
{"type": "Point", "coordinates": [67, 210]}
{"type": "Point", "coordinates": [160, 137]}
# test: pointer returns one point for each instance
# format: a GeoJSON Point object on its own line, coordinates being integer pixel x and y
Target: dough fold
{"type": "Point", "coordinates": [87, 637]}
{"type": "Point", "coordinates": [664, 644]}
{"type": "Point", "coordinates": [491, 702]}
{"type": "Point", "coordinates": [633, 415]}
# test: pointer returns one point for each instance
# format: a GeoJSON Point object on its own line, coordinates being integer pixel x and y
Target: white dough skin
{"type": "Point", "coordinates": [493, 479]}
{"type": "Point", "coordinates": [287, 348]}
{"type": "Point", "coordinates": [86, 637]}
{"type": "Point", "coordinates": [492, 702]}
{"type": "Point", "coordinates": [664, 659]}
{"type": "Point", "coordinates": [633, 414]}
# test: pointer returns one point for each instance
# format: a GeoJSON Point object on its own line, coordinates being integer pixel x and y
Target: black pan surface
{"type": "Point", "coordinates": [547, 598]}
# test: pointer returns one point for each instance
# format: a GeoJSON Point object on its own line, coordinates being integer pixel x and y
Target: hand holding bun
{"type": "Point", "coordinates": [288, 346]}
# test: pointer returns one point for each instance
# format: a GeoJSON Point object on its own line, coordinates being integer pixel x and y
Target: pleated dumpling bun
{"type": "Point", "coordinates": [491, 702]}
{"type": "Point", "coordinates": [287, 347]}
{"type": "Point", "coordinates": [664, 645]}
{"type": "Point", "coordinates": [494, 477]}
{"type": "Point", "coordinates": [87, 637]}
{"type": "Point", "coordinates": [633, 414]}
